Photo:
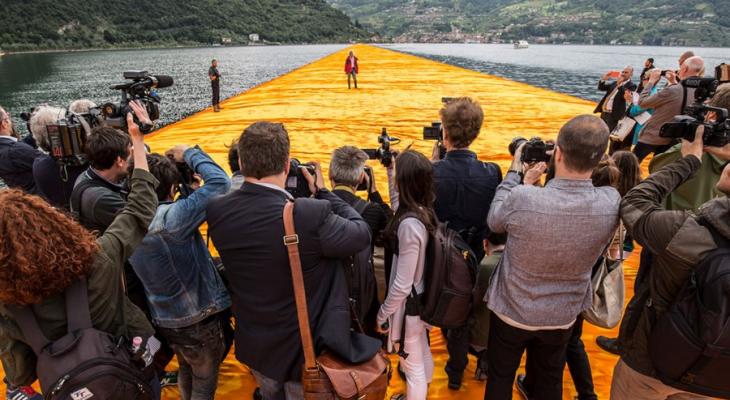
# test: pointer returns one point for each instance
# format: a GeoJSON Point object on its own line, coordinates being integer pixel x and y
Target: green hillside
{"type": "Point", "coordinates": [51, 24]}
{"type": "Point", "coordinates": [648, 22]}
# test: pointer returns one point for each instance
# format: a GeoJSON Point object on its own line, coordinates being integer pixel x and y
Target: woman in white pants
{"type": "Point", "coordinates": [412, 196]}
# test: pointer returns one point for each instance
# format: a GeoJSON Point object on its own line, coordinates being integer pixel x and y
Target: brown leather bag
{"type": "Point", "coordinates": [327, 377]}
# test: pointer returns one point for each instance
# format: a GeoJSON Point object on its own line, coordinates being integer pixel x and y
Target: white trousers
{"type": "Point", "coordinates": [418, 367]}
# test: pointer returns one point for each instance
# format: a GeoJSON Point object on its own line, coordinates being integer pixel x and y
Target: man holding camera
{"type": "Point", "coordinates": [679, 240]}
{"type": "Point", "coordinates": [348, 173]}
{"type": "Point", "coordinates": [54, 182]}
{"type": "Point", "coordinates": [187, 299]}
{"type": "Point", "coordinates": [247, 228]}
{"type": "Point", "coordinates": [613, 104]}
{"type": "Point", "coordinates": [667, 103]}
{"type": "Point", "coordinates": [16, 157]}
{"type": "Point", "coordinates": [465, 187]}
{"type": "Point", "coordinates": [543, 281]}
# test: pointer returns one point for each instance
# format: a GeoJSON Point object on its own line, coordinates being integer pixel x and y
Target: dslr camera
{"type": "Point", "coordinates": [436, 130]}
{"type": "Point", "coordinates": [296, 183]}
{"type": "Point", "coordinates": [535, 150]}
{"type": "Point", "coordinates": [717, 134]}
{"type": "Point", "coordinates": [141, 88]}
{"type": "Point", "coordinates": [383, 153]}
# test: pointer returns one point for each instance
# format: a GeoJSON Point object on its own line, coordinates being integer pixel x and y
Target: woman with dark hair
{"type": "Point", "coordinates": [412, 196]}
{"type": "Point", "coordinates": [43, 251]}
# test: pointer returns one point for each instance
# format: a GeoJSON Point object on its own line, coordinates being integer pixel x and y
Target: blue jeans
{"type": "Point", "coordinates": [274, 390]}
{"type": "Point", "coordinates": [200, 350]}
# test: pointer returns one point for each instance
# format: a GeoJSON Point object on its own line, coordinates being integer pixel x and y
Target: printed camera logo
{"type": "Point", "coordinates": [82, 394]}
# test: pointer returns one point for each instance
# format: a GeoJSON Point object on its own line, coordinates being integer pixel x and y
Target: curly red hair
{"type": "Point", "coordinates": [42, 250]}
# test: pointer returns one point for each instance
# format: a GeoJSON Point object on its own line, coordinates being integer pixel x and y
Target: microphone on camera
{"type": "Point", "coordinates": [158, 81]}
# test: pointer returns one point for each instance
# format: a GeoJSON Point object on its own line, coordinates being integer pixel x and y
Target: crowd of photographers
{"type": "Point", "coordinates": [124, 226]}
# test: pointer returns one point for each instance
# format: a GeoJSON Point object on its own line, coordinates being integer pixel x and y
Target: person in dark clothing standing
{"type": "Point", "coordinates": [16, 157]}
{"type": "Point", "coordinates": [247, 229]}
{"type": "Point", "coordinates": [465, 187]}
{"type": "Point", "coordinates": [347, 172]}
{"type": "Point", "coordinates": [215, 83]}
{"type": "Point", "coordinates": [648, 66]}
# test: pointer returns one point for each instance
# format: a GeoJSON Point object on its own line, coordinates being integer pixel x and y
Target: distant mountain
{"type": "Point", "coordinates": [52, 24]}
{"type": "Point", "coordinates": [648, 22]}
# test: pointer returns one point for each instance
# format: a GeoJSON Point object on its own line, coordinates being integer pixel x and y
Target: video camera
{"type": "Point", "coordinates": [296, 184]}
{"type": "Point", "coordinates": [141, 88]}
{"type": "Point", "coordinates": [383, 153]}
{"type": "Point", "coordinates": [717, 134]}
{"type": "Point", "coordinates": [67, 137]}
{"type": "Point", "coordinates": [535, 150]}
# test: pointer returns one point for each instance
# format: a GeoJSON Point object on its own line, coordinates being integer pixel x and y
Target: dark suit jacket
{"type": "Point", "coordinates": [16, 164]}
{"type": "Point", "coordinates": [247, 228]}
{"type": "Point", "coordinates": [619, 103]}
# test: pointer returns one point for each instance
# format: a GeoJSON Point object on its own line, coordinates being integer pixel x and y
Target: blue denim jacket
{"type": "Point", "coordinates": [181, 283]}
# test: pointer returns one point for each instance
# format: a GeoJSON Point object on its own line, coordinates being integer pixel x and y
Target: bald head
{"type": "Point", "coordinates": [685, 56]}
{"type": "Point", "coordinates": [693, 66]}
{"type": "Point", "coordinates": [582, 142]}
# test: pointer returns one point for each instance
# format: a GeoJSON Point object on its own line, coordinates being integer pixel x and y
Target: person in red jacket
{"type": "Point", "coordinates": [351, 69]}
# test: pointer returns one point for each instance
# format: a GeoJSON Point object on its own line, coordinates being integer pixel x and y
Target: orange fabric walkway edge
{"type": "Point", "coordinates": [402, 93]}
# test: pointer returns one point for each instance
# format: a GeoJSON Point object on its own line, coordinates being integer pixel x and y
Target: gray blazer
{"type": "Point", "coordinates": [555, 235]}
{"type": "Point", "coordinates": [667, 103]}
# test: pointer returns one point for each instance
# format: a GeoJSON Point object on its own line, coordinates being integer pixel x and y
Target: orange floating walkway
{"type": "Point", "coordinates": [403, 93]}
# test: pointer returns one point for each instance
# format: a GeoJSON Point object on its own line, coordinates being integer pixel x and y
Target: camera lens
{"type": "Point", "coordinates": [516, 143]}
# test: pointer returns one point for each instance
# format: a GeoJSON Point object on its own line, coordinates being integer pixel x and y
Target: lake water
{"type": "Point", "coordinates": [571, 69]}
{"type": "Point", "coordinates": [27, 80]}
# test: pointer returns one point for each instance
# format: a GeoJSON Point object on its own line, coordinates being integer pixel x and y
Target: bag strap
{"type": "Point", "coordinates": [291, 241]}
{"type": "Point", "coordinates": [360, 206]}
{"type": "Point", "coordinates": [77, 306]}
{"type": "Point", "coordinates": [28, 323]}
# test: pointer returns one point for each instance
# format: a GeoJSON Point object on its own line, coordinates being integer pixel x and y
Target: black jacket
{"type": "Point", "coordinates": [618, 110]}
{"type": "Point", "coordinates": [465, 188]}
{"type": "Point", "coordinates": [16, 164]}
{"type": "Point", "coordinates": [54, 182]}
{"type": "Point", "coordinates": [96, 202]}
{"type": "Point", "coordinates": [247, 228]}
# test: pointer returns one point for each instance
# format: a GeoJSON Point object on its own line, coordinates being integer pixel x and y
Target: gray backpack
{"type": "Point", "coordinates": [86, 363]}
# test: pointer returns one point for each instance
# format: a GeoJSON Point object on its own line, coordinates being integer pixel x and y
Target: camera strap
{"type": "Point", "coordinates": [81, 120]}
{"type": "Point", "coordinates": [684, 99]}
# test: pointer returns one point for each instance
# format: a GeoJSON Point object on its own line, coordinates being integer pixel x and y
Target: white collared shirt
{"type": "Point", "coordinates": [11, 138]}
{"type": "Point", "coordinates": [275, 187]}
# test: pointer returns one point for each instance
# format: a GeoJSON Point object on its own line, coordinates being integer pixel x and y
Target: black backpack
{"type": "Point", "coordinates": [360, 273]}
{"type": "Point", "coordinates": [690, 345]}
{"type": "Point", "coordinates": [450, 273]}
{"type": "Point", "coordinates": [86, 363]}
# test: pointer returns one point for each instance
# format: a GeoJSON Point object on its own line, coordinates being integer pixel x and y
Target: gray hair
{"type": "Point", "coordinates": [42, 117]}
{"type": "Point", "coordinates": [347, 165]}
{"type": "Point", "coordinates": [81, 106]}
{"type": "Point", "coordinates": [695, 65]}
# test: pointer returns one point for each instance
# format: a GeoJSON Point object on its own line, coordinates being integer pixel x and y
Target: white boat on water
{"type": "Point", "coordinates": [522, 44]}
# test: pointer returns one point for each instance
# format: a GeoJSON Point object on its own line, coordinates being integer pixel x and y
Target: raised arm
{"type": "Point", "coordinates": [186, 215]}
{"type": "Point", "coordinates": [343, 232]}
{"type": "Point", "coordinates": [130, 225]}
{"type": "Point", "coordinates": [642, 209]}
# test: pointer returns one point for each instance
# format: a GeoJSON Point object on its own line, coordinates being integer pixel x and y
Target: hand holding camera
{"type": "Point", "coordinates": [315, 182]}
{"type": "Point", "coordinates": [534, 172]}
{"type": "Point", "coordinates": [696, 146]}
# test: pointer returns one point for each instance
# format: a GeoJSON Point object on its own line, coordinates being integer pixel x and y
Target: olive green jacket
{"type": "Point", "coordinates": [696, 191]}
{"type": "Point", "coordinates": [111, 310]}
{"type": "Point", "coordinates": [678, 243]}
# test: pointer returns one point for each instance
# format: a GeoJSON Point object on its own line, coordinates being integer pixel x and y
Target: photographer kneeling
{"type": "Point", "coordinates": [554, 235]}
{"type": "Point", "coordinates": [66, 258]}
{"type": "Point", "coordinates": [186, 296]}
{"type": "Point", "coordinates": [680, 241]}
{"type": "Point", "coordinates": [347, 173]}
